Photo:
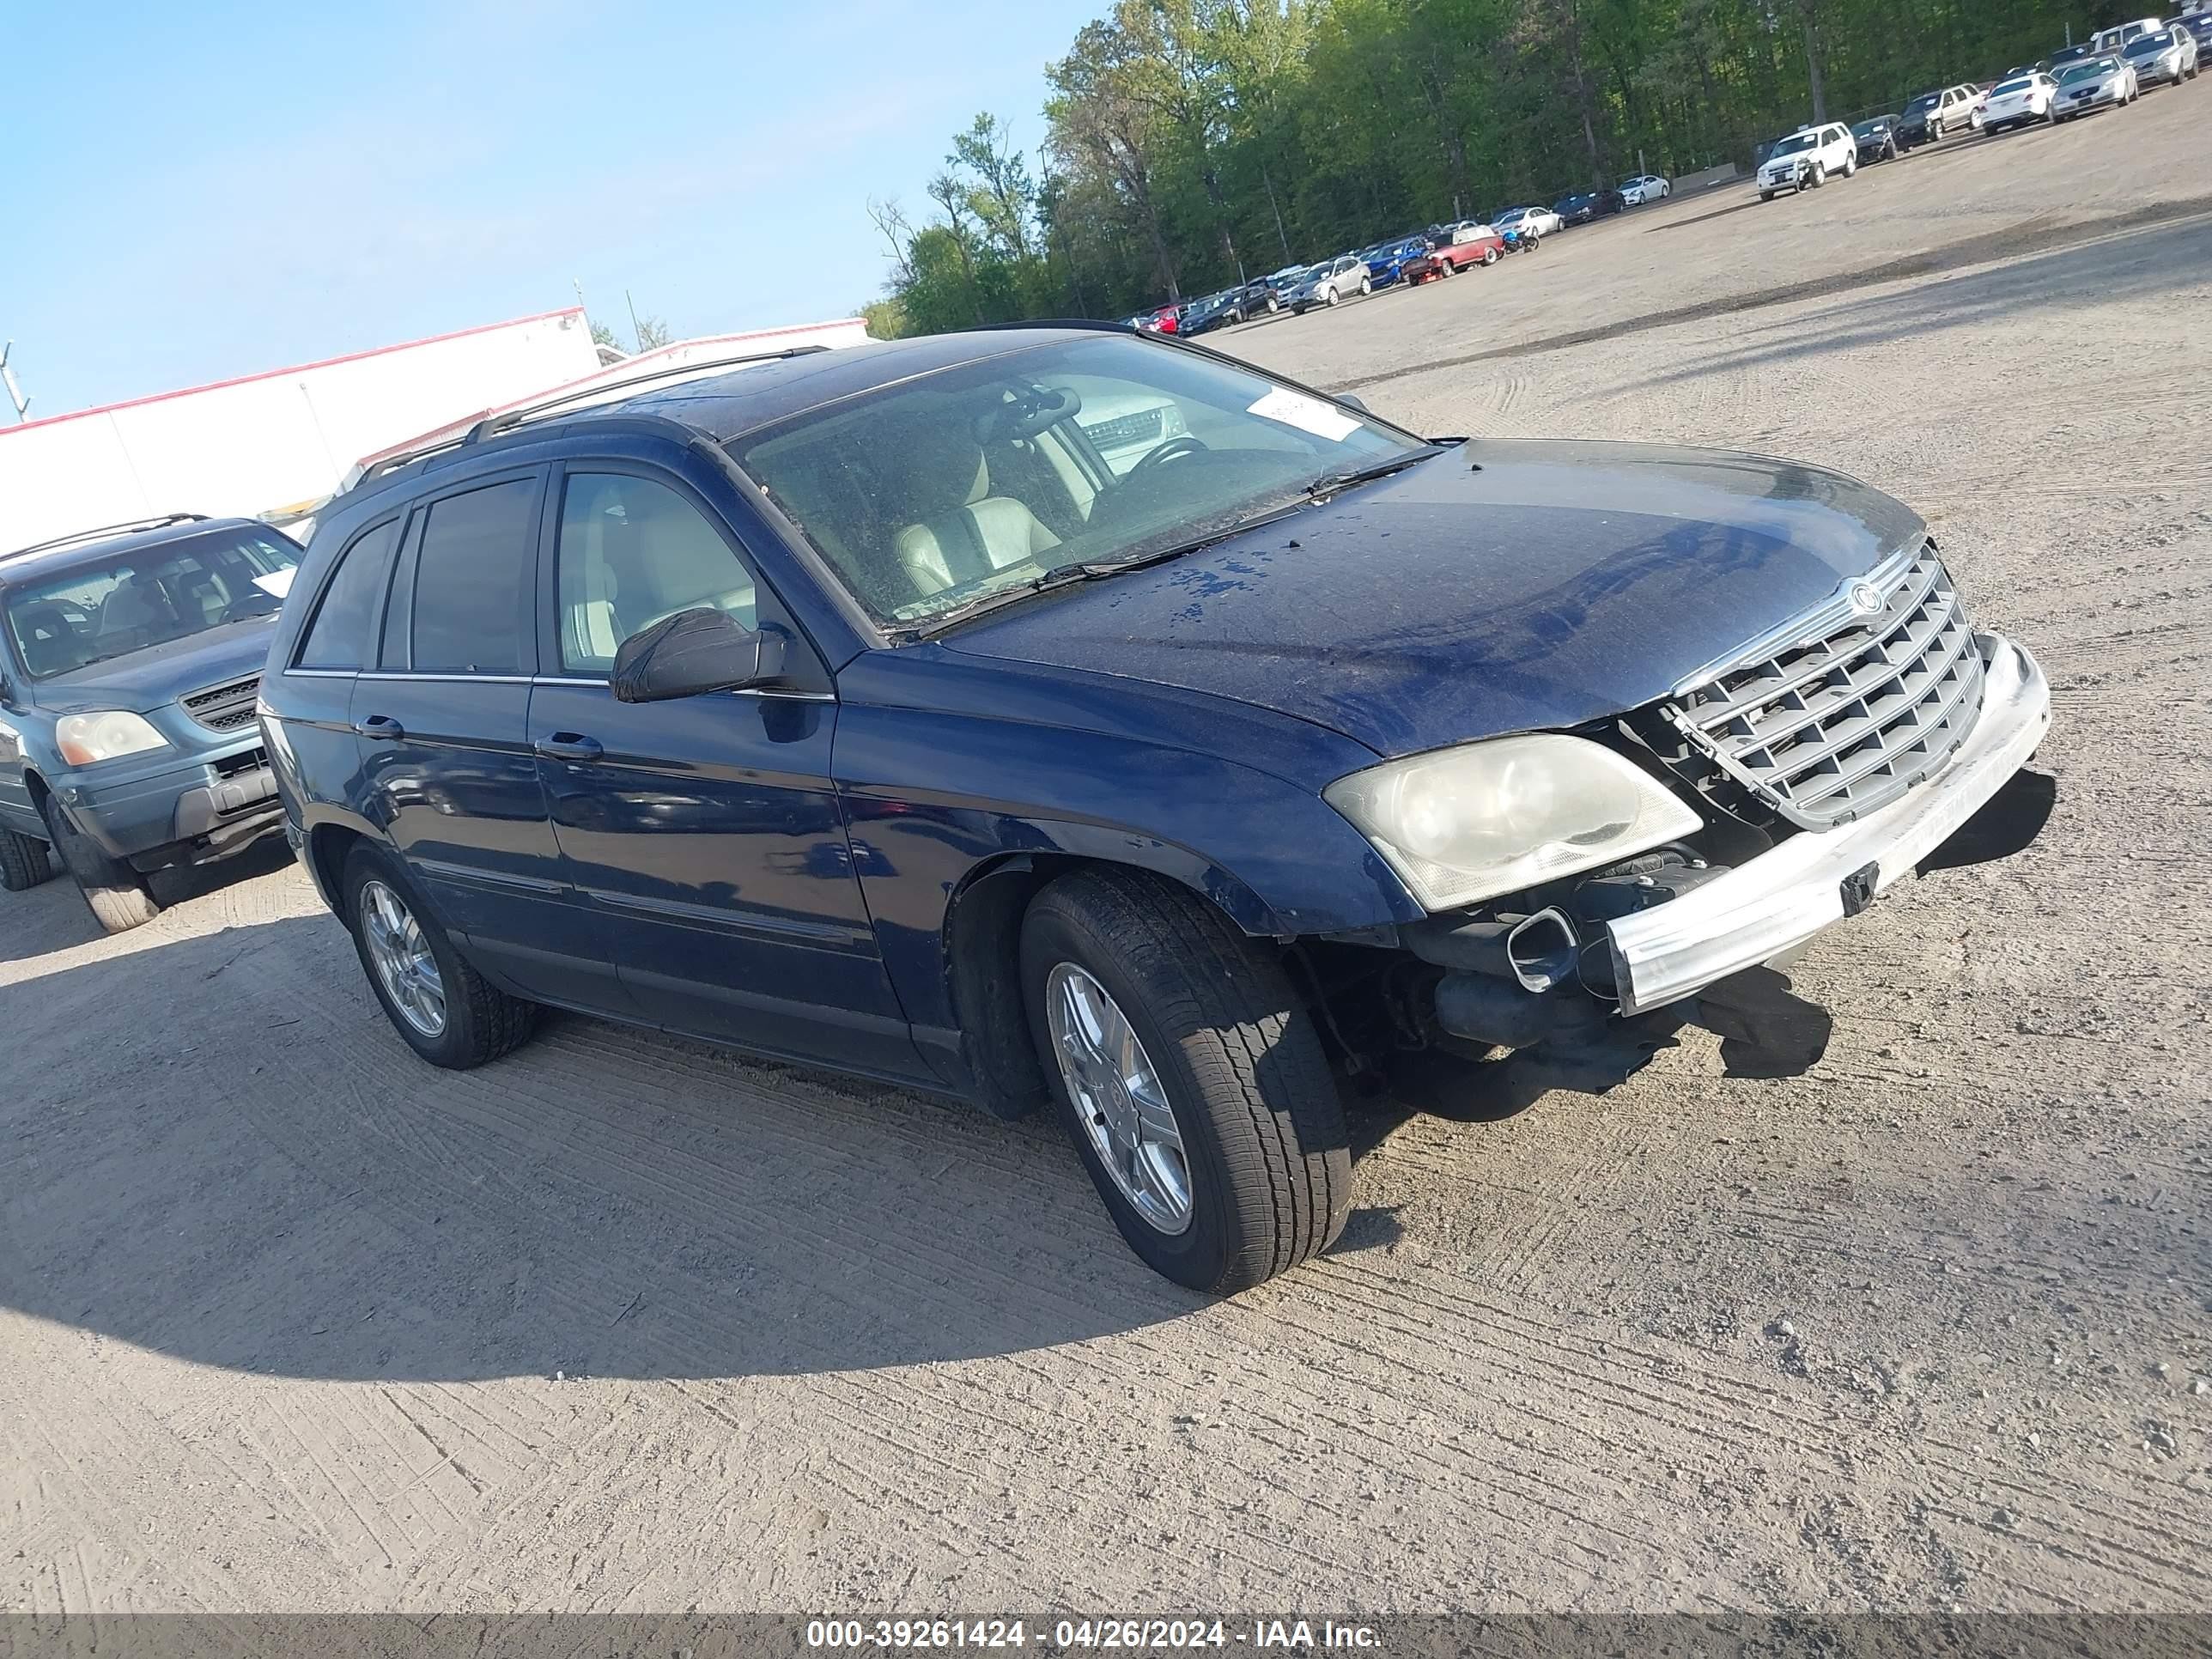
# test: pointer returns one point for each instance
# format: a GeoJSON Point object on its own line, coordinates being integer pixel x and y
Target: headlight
{"type": "Point", "coordinates": [1485, 818]}
{"type": "Point", "coordinates": [84, 739]}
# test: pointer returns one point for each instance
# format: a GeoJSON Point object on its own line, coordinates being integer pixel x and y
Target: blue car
{"type": "Point", "coordinates": [849, 707]}
{"type": "Point", "coordinates": [129, 664]}
{"type": "Point", "coordinates": [1386, 261]}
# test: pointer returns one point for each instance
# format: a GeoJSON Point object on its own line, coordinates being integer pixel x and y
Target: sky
{"type": "Point", "coordinates": [189, 193]}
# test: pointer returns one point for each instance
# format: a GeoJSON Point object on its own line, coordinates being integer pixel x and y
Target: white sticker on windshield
{"type": "Point", "coordinates": [277, 583]}
{"type": "Point", "coordinates": [1307, 414]}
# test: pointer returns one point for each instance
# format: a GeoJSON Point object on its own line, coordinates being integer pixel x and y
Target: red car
{"type": "Point", "coordinates": [1461, 244]}
{"type": "Point", "coordinates": [1163, 321]}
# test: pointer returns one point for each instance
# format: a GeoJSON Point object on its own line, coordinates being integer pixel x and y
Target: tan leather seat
{"type": "Point", "coordinates": [979, 533]}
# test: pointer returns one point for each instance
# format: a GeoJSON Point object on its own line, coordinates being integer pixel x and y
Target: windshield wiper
{"type": "Point", "coordinates": [1083, 570]}
{"type": "Point", "coordinates": [1330, 484]}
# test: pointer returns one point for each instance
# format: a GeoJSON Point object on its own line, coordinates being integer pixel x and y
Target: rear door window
{"type": "Point", "coordinates": [342, 634]}
{"type": "Point", "coordinates": [472, 581]}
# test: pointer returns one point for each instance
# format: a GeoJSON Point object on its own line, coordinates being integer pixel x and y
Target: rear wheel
{"type": "Point", "coordinates": [1189, 1078]}
{"type": "Point", "coordinates": [447, 1012]}
{"type": "Point", "coordinates": [1367, 285]}
{"type": "Point", "coordinates": [23, 861]}
{"type": "Point", "coordinates": [117, 895]}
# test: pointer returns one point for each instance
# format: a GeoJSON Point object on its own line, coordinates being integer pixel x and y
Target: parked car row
{"type": "Point", "coordinates": [2111, 68]}
{"type": "Point", "coordinates": [1408, 260]}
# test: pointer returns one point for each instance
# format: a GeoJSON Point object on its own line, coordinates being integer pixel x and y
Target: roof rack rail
{"type": "Point", "coordinates": [127, 527]}
{"type": "Point", "coordinates": [491, 425]}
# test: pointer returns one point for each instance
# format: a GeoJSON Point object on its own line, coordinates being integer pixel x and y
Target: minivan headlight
{"type": "Point", "coordinates": [1467, 823]}
{"type": "Point", "coordinates": [109, 735]}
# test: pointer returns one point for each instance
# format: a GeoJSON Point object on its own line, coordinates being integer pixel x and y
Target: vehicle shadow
{"type": "Point", "coordinates": [255, 1174]}
{"type": "Point", "coordinates": [53, 916]}
{"type": "Point", "coordinates": [221, 1151]}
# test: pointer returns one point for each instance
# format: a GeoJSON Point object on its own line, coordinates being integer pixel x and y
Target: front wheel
{"type": "Point", "coordinates": [23, 861]}
{"type": "Point", "coordinates": [117, 895]}
{"type": "Point", "coordinates": [1189, 1077]}
{"type": "Point", "coordinates": [1766, 195]}
{"type": "Point", "coordinates": [1331, 299]}
{"type": "Point", "coordinates": [448, 1013]}
{"type": "Point", "coordinates": [1489, 257]}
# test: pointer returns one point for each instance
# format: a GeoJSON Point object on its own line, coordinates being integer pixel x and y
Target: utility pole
{"type": "Point", "coordinates": [14, 392]}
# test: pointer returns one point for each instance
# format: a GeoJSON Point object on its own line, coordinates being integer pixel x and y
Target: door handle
{"type": "Point", "coordinates": [379, 726]}
{"type": "Point", "coordinates": [569, 746]}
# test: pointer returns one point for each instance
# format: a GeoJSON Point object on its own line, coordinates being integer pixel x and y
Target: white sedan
{"type": "Point", "coordinates": [2018, 102]}
{"type": "Point", "coordinates": [1534, 222]}
{"type": "Point", "coordinates": [1645, 187]}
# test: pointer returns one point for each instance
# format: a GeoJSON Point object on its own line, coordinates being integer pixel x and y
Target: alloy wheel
{"type": "Point", "coordinates": [401, 955]}
{"type": "Point", "coordinates": [1119, 1099]}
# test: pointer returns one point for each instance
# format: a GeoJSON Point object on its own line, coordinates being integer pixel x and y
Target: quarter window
{"type": "Point", "coordinates": [632, 552]}
{"type": "Point", "coordinates": [339, 637]}
{"type": "Point", "coordinates": [470, 580]}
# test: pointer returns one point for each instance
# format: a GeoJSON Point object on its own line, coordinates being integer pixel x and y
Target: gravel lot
{"type": "Point", "coordinates": [292, 1322]}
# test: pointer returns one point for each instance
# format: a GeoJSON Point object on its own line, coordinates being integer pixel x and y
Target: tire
{"type": "Point", "coordinates": [117, 895]}
{"type": "Point", "coordinates": [1851, 164]}
{"type": "Point", "coordinates": [23, 861]}
{"type": "Point", "coordinates": [1766, 195]}
{"type": "Point", "coordinates": [1331, 299]}
{"type": "Point", "coordinates": [1366, 286]}
{"type": "Point", "coordinates": [1266, 1165]}
{"type": "Point", "coordinates": [478, 1021]}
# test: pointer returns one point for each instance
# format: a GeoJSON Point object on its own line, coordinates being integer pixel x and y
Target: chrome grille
{"type": "Point", "coordinates": [1854, 706]}
{"type": "Point", "coordinates": [226, 708]}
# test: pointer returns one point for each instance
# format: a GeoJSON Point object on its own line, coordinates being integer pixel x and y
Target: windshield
{"type": "Point", "coordinates": [1795, 143]}
{"type": "Point", "coordinates": [2011, 87]}
{"type": "Point", "coordinates": [1923, 103]}
{"type": "Point", "coordinates": [1868, 129]}
{"type": "Point", "coordinates": [2087, 71]}
{"type": "Point", "coordinates": [2143, 46]}
{"type": "Point", "coordinates": [933, 492]}
{"type": "Point", "coordinates": [109, 608]}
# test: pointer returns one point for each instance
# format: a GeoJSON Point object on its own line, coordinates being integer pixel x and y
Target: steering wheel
{"type": "Point", "coordinates": [253, 603]}
{"type": "Point", "coordinates": [1166, 452]}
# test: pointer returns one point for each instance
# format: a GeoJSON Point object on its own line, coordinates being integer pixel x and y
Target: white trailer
{"type": "Point", "coordinates": [268, 444]}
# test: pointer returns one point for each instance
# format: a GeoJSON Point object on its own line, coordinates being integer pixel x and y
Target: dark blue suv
{"type": "Point", "coordinates": [850, 708]}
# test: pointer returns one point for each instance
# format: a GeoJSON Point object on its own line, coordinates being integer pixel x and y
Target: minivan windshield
{"type": "Point", "coordinates": [107, 608]}
{"type": "Point", "coordinates": [930, 494]}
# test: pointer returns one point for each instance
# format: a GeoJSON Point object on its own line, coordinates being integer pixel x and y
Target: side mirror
{"type": "Point", "coordinates": [693, 652]}
{"type": "Point", "coordinates": [1353, 400]}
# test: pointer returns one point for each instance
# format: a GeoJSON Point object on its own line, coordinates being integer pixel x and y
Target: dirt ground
{"type": "Point", "coordinates": [291, 1322]}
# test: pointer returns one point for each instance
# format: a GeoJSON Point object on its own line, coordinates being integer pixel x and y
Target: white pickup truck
{"type": "Point", "coordinates": [1807, 158]}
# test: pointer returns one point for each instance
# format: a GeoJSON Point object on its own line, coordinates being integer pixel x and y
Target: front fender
{"type": "Point", "coordinates": [1269, 852]}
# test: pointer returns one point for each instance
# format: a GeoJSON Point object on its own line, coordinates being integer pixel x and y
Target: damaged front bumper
{"type": "Point", "coordinates": [1767, 907]}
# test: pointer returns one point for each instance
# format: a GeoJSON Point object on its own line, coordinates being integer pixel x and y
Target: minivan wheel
{"type": "Point", "coordinates": [117, 895]}
{"type": "Point", "coordinates": [23, 861]}
{"type": "Point", "coordinates": [1189, 1077]}
{"type": "Point", "coordinates": [448, 1013]}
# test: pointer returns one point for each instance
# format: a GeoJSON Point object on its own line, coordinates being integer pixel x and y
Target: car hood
{"type": "Point", "coordinates": [1502, 587]}
{"type": "Point", "coordinates": [144, 680]}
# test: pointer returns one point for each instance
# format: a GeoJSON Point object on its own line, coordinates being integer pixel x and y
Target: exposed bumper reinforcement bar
{"type": "Point", "coordinates": [1783, 897]}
